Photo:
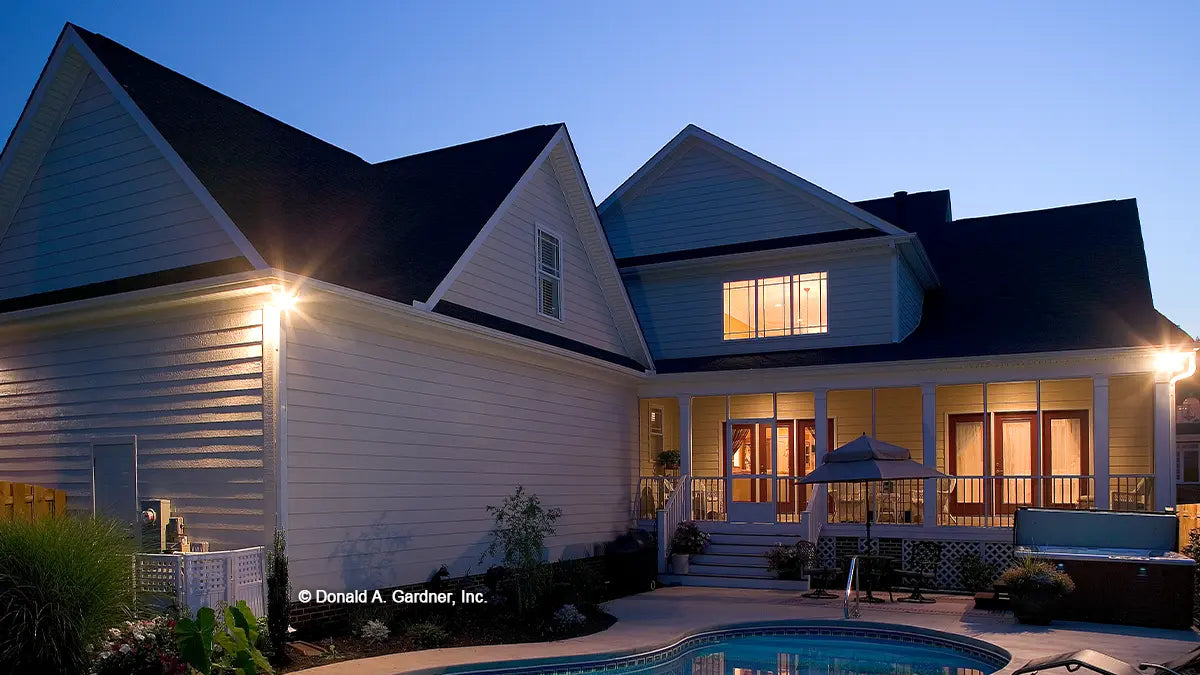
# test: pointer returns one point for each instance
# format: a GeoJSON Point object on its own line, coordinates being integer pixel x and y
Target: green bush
{"type": "Point", "coordinates": [428, 634]}
{"type": "Point", "coordinates": [233, 648]}
{"type": "Point", "coordinates": [278, 596]}
{"type": "Point", "coordinates": [63, 583]}
{"type": "Point", "coordinates": [976, 574]}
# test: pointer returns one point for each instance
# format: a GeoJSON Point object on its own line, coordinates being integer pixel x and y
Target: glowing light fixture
{"type": "Point", "coordinates": [283, 299]}
{"type": "Point", "coordinates": [1177, 364]}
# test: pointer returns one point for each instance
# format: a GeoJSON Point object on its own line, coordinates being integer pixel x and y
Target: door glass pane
{"type": "Point", "coordinates": [1066, 454]}
{"type": "Point", "coordinates": [786, 458]}
{"type": "Point", "coordinates": [1016, 446]}
{"type": "Point", "coordinates": [743, 450]}
{"type": "Point", "coordinates": [968, 459]}
{"type": "Point", "coordinates": [810, 451]}
{"type": "Point", "coordinates": [763, 456]}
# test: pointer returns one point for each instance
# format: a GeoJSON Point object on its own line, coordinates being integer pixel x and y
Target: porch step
{"type": "Point", "coordinates": [774, 529]}
{"type": "Point", "coordinates": [719, 581]}
{"type": "Point", "coordinates": [748, 539]}
{"type": "Point", "coordinates": [758, 549]}
{"type": "Point", "coordinates": [749, 558]}
{"type": "Point", "coordinates": [750, 570]}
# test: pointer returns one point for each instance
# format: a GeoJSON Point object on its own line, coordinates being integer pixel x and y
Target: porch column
{"type": "Point", "coordinates": [820, 506]}
{"type": "Point", "coordinates": [1164, 445]}
{"type": "Point", "coordinates": [929, 450]}
{"type": "Point", "coordinates": [1100, 470]}
{"type": "Point", "coordinates": [685, 435]}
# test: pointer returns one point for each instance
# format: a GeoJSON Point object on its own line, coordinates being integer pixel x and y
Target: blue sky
{"type": "Point", "coordinates": [1012, 106]}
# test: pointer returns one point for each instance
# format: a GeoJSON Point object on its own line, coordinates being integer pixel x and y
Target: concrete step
{"type": "Point", "coordinates": [732, 582]}
{"type": "Point", "coordinates": [753, 528]}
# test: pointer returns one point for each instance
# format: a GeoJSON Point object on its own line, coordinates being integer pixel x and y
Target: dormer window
{"type": "Point", "coordinates": [796, 304]}
{"type": "Point", "coordinates": [549, 275]}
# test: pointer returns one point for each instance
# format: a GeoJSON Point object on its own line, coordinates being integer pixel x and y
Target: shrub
{"type": "Point", "coordinates": [521, 527]}
{"type": "Point", "coordinates": [688, 539]}
{"type": "Point", "coordinates": [569, 616]}
{"type": "Point", "coordinates": [975, 573]}
{"type": "Point", "coordinates": [63, 583]}
{"type": "Point", "coordinates": [428, 634]}
{"type": "Point", "coordinates": [233, 647]}
{"type": "Point", "coordinates": [788, 562]}
{"type": "Point", "coordinates": [375, 632]}
{"type": "Point", "coordinates": [278, 597]}
{"type": "Point", "coordinates": [139, 648]}
{"type": "Point", "coordinates": [1031, 574]}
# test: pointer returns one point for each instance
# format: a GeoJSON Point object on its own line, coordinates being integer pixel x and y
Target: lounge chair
{"type": "Point", "coordinates": [1104, 664]}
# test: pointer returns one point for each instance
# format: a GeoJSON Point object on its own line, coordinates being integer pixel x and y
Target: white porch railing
{"type": "Point", "coordinates": [677, 510]}
{"type": "Point", "coordinates": [652, 495]}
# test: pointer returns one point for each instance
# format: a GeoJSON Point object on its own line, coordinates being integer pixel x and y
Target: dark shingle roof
{"type": "Point", "coordinates": [393, 229]}
{"type": "Point", "coordinates": [1059, 279]}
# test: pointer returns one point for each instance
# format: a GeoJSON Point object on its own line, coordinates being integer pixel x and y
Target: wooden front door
{"type": "Point", "coordinates": [964, 439]}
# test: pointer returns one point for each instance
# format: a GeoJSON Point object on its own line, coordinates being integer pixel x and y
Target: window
{"type": "Point", "coordinates": [549, 275]}
{"type": "Point", "coordinates": [656, 431]}
{"type": "Point", "coordinates": [776, 306]}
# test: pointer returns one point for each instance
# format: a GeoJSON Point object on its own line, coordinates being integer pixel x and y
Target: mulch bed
{"type": "Point", "coordinates": [472, 634]}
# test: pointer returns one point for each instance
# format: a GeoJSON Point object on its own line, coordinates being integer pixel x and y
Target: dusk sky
{"type": "Point", "coordinates": [1011, 106]}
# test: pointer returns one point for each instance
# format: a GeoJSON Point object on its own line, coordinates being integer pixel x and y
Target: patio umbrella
{"type": "Point", "coordinates": [867, 460]}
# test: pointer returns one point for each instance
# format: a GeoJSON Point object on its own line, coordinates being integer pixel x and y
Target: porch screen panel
{"type": "Point", "coordinates": [751, 406]}
{"type": "Point", "coordinates": [708, 434]}
{"type": "Point", "coordinates": [1017, 461]}
{"type": "Point", "coordinates": [1066, 437]}
{"type": "Point", "coordinates": [1071, 395]}
{"type": "Point", "coordinates": [968, 460]}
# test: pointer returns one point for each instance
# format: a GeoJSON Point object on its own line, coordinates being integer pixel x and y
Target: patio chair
{"type": "Point", "coordinates": [945, 496]}
{"type": "Point", "coordinates": [1104, 664]}
{"type": "Point", "coordinates": [1131, 500]}
{"type": "Point", "coordinates": [924, 558]}
{"type": "Point", "coordinates": [822, 577]}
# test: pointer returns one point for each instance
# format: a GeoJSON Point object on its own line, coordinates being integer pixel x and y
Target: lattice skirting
{"type": "Point", "coordinates": [996, 554]}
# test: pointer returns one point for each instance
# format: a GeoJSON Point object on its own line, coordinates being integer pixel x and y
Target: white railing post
{"type": "Point", "coordinates": [820, 507]}
{"type": "Point", "coordinates": [685, 435]}
{"type": "Point", "coordinates": [929, 451]}
{"type": "Point", "coordinates": [677, 509]}
{"type": "Point", "coordinates": [1100, 490]}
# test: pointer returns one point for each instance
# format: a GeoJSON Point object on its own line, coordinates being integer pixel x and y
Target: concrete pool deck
{"type": "Point", "coordinates": [658, 618]}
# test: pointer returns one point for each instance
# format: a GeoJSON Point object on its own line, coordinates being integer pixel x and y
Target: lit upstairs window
{"type": "Point", "coordinates": [796, 304]}
{"type": "Point", "coordinates": [549, 275]}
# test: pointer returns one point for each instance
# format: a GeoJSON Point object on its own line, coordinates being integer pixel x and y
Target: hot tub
{"type": "Point", "coordinates": [1123, 564]}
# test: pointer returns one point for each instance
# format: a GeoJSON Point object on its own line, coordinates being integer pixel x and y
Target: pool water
{"type": "Point", "coordinates": [811, 655]}
{"type": "Point", "coordinates": [802, 655]}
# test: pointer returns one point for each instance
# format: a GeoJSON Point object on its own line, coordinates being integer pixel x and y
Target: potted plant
{"type": "Point", "coordinates": [1034, 588]}
{"type": "Point", "coordinates": [789, 562]}
{"type": "Point", "coordinates": [667, 462]}
{"type": "Point", "coordinates": [688, 539]}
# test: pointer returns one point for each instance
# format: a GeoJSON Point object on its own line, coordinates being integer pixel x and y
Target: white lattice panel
{"type": "Point", "coordinates": [996, 554]}
{"type": "Point", "coordinates": [214, 579]}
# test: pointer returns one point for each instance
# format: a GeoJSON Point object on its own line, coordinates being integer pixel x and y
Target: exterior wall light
{"type": "Point", "coordinates": [1176, 364]}
{"type": "Point", "coordinates": [283, 300]}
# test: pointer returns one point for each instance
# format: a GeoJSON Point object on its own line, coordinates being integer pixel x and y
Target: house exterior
{"type": "Point", "coordinates": [203, 304]}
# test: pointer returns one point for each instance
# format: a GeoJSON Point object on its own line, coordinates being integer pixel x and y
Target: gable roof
{"type": "Point", "coordinates": [392, 229]}
{"type": "Point", "coordinates": [1066, 278]}
{"type": "Point", "coordinates": [856, 216]}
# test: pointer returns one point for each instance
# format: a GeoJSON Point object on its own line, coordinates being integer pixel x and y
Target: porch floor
{"type": "Point", "coordinates": [654, 619]}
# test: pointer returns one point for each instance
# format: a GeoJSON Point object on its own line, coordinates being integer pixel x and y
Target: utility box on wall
{"type": "Point", "coordinates": [156, 516]}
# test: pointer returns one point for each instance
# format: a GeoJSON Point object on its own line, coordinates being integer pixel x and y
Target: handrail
{"type": "Point", "coordinates": [676, 510]}
{"type": "Point", "coordinates": [851, 581]}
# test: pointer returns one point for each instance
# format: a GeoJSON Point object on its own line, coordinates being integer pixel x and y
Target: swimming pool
{"type": "Point", "coordinates": [823, 647]}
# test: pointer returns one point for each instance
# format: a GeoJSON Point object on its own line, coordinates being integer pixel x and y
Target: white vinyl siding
{"type": "Point", "coordinates": [702, 199]}
{"type": "Point", "coordinates": [681, 310]}
{"type": "Point", "coordinates": [397, 443]}
{"type": "Point", "coordinates": [498, 276]}
{"type": "Point", "coordinates": [912, 299]}
{"type": "Point", "coordinates": [187, 384]}
{"type": "Point", "coordinates": [103, 204]}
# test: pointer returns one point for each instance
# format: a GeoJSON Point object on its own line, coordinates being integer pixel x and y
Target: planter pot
{"type": "Point", "coordinates": [1034, 606]}
{"type": "Point", "coordinates": [679, 563]}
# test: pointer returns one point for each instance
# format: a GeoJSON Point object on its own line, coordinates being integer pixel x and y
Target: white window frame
{"type": "Point", "coordinates": [539, 273]}
{"type": "Point", "coordinates": [755, 309]}
{"type": "Point", "coordinates": [662, 429]}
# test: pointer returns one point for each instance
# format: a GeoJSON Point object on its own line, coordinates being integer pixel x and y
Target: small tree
{"type": "Point", "coordinates": [522, 525]}
{"type": "Point", "coordinates": [278, 597]}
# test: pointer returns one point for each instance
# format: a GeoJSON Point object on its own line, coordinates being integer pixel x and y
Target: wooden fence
{"type": "Point", "coordinates": [29, 502]}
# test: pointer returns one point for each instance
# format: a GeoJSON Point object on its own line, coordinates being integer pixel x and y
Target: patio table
{"type": "Point", "coordinates": [872, 568]}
